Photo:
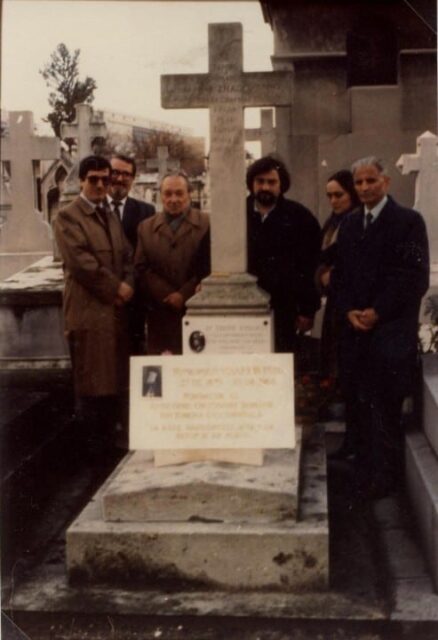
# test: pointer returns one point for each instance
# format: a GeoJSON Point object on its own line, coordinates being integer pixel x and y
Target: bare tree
{"type": "Point", "coordinates": [62, 76]}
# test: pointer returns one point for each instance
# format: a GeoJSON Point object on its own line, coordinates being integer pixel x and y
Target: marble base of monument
{"type": "Point", "coordinates": [212, 524]}
{"type": "Point", "coordinates": [205, 490]}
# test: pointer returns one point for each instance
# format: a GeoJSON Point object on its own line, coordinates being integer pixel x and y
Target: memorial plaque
{"type": "Point", "coordinates": [224, 401]}
{"type": "Point", "coordinates": [227, 334]}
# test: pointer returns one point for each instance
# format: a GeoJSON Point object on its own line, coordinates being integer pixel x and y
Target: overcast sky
{"type": "Point", "coordinates": [125, 46]}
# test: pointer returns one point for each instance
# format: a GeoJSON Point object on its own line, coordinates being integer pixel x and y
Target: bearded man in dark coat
{"type": "Point", "coordinates": [283, 250]}
{"type": "Point", "coordinates": [381, 274]}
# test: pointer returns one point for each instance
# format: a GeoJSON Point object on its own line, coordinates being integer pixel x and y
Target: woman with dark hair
{"type": "Point", "coordinates": [343, 199]}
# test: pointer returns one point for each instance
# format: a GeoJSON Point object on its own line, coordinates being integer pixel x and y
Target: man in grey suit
{"type": "Point", "coordinates": [131, 212]}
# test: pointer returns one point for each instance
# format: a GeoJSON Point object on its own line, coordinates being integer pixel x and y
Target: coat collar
{"type": "Point", "coordinates": [192, 219]}
{"type": "Point", "coordinates": [85, 206]}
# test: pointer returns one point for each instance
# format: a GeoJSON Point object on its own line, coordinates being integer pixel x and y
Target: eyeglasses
{"type": "Point", "coordinates": [123, 174]}
{"type": "Point", "coordinates": [94, 180]}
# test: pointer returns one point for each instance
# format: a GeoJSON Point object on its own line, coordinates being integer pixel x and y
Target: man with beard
{"type": "Point", "coordinates": [131, 212]}
{"type": "Point", "coordinates": [283, 250]}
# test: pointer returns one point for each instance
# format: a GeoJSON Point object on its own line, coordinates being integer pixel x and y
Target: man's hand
{"type": "Point", "coordinates": [325, 278]}
{"type": "Point", "coordinates": [174, 300]}
{"type": "Point", "coordinates": [362, 319]}
{"type": "Point", "coordinates": [303, 324]}
{"type": "Point", "coordinates": [369, 318]}
{"type": "Point", "coordinates": [124, 294]}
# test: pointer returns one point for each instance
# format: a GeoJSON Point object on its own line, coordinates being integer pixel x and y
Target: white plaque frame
{"type": "Point", "coordinates": [235, 401]}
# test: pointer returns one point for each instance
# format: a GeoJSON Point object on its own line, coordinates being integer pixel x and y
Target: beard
{"type": "Point", "coordinates": [266, 198]}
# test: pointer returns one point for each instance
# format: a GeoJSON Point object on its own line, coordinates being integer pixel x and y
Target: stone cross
{"type": "Point", "coordinates": [226, 90]}
{"type": "Point", "coordinates": [424, 163]}
{"type": "Point", "coordinates": [164, 164]}
{"type": "Point", "coordinates": [265, 133]}
{"type": "Point", "coordinates": [84, 129]}
{"type": "Point", "coordinates": [24, 230]}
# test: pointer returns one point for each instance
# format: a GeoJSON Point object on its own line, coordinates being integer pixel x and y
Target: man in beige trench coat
{"type": "Point", "coordinates": [97, 262]}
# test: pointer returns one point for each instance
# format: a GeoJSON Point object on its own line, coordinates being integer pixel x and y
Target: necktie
{"type": "Point", "coordinates": [116, 205]}
{"type": "Point", "coordinates": [368, 219]}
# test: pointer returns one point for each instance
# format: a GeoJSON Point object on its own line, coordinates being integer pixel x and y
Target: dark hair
{"type": "Point", "coordinates": [264, 165]}
{"type": "Point", "coordinates": [345, 179]}
{"type": "Point", "coordinates": [92, 163]}
{"type": "Point", "coordinates": [127, 159]}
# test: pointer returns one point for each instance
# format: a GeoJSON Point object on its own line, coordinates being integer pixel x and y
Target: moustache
{"type": "Point", "coordinates": [266, 198]}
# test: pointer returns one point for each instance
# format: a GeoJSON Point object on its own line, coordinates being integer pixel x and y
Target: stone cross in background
{"type": "Point", "coordinates": [84, 129]}
{"type": "Point", "coordinates": [226, 90]}
{"type": "Point", "coordinates": [164, 164]}
{"type": "Point", "coordinates": [24, 231]}
{"type": "Point", "coordinates": [265, 133]}
{"type": "Point", "coordinates": [424, 164]}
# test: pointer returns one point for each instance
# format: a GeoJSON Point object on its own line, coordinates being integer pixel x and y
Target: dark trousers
{"type": "Point", "coordinates": [103, 422]}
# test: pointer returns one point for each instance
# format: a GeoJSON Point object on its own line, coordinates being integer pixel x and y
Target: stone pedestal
{"type": "Point", "coordinates": [211, 524]}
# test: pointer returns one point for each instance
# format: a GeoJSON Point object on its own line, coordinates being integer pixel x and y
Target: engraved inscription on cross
{"type": "Point", "coordinates": [226, 90]}
{"type": "Point", "coordinates": [425, 164]}
{"type": "Point", "coordinates": [24, 230]}
{"type": "Point", "coordinates": [84, 129]}
{"type": "Point", "coordinates": [164, 164]}
{"type": "Point", "coordinates": [265, 133]}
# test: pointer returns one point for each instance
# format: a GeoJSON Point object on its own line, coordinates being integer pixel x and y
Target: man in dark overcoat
{"type": "Point", "coordinates": [131, 212]}
{"type": "Point", "coordinates": [381, 274]}
{"type": "Point", "coordinates": [98, 272]}
{"type": "Point", "coordinates": [283, 250]}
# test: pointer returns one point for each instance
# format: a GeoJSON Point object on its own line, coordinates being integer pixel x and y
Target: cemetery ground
{"type": "Point", "coordinates": [379, 588]}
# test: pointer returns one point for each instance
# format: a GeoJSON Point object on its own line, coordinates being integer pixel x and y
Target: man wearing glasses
{"type": "Point", "coordinates": [98, 284]}
{"type": "Point", "coordinates": [131, 212]}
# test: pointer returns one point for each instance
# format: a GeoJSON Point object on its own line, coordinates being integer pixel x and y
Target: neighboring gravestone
{"type": "Point", "coordinates": [164, 164]}
{"type": "Point", "coordinates": [422, 448]}
{"type": "Point", "coordinates": [265, 133]}
{"type": "Point", "coordinates": [424, 164]}
{"type": "Point", "coordinates": [24, 237]}
{"type": "Point", "coordinates": [84, 129]}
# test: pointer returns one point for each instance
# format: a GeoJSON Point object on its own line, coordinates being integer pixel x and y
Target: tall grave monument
{"type": "Point", "coordinates": [207, 523]}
